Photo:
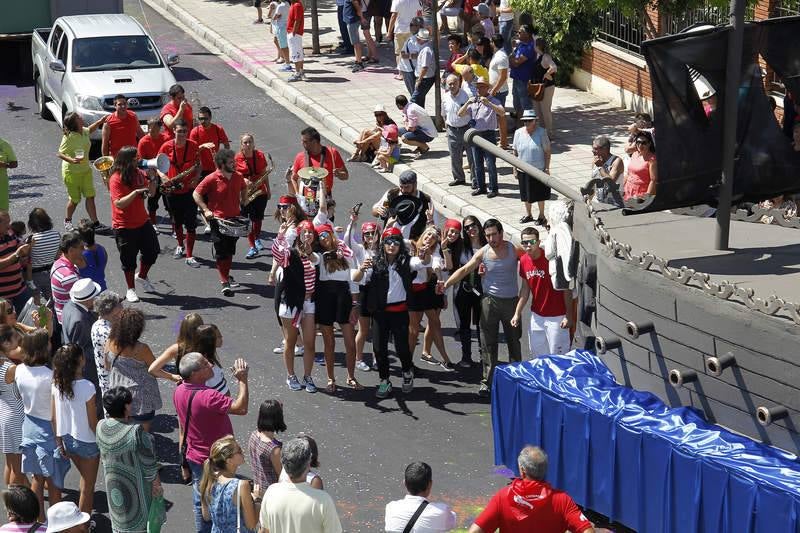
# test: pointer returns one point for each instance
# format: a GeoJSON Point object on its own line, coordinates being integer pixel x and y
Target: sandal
{"type": "Point", "coordinates": [352, 382]}
{"type": "Point", "coordinates": [428, 358]}
{"type": "Point", "coordinates": [331, 388]}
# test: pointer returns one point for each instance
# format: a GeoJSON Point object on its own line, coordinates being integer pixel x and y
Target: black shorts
{"type": "Point", "coordinates": [133, 241]}
{"type": "Point", "coordinates": [257, 3]}
{"type": "Point", "coordinates": [362, 302]}
{"type": "Point", "coordinates": [255, 209]}
{"type": "Point", "coordinates": [183, 210]}
{"type": "Point", "coordinates": [224, 246]}
{"type": "Point", "coordinates": [333, 302]}
{"type": "Point", "coordinates": [422, 300]}
{"type": "Point", "coordinates": [531, 189]}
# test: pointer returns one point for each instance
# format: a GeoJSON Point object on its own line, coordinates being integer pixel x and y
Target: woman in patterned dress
{"type": "Point", "coordinates": [129, 461]}
{"type": "Point", "coordinates": [12, 413]}
{"type": "Point", "coordinates": [225, 498]}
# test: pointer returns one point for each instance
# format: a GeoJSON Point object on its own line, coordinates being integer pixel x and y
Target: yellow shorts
{"type": "Point", "coordinates": [400, 41]}
{"type": "Point", "coordinates": [80, 186]}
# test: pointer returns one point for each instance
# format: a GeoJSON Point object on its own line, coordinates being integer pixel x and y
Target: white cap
{"type": "Point", "coordinates": [64, 515]}
{"type": "Point", "coordinates": [379, 109]}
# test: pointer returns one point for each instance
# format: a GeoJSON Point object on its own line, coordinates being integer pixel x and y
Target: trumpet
{"type": "Point", "coordinates": [254, 189]}
{"type": "Point", "coordinates": [103, 165]}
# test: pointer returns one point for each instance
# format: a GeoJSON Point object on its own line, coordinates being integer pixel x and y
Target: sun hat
{"type": "Point", "coordinates": [83, 290]}
{"type": "Point", "coordinates": [64, 515]}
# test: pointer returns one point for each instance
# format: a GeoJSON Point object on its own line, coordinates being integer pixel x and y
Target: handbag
{"type": "Point", "coordinates": [536, 91]}
{"type": "Point", "coordinates": [157, 515]}
{"type": "Point", "coordinates": [186, 472]}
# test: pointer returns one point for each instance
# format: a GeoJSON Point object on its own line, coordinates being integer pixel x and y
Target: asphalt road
{"type": "Point", "coordinates": [364, 443]}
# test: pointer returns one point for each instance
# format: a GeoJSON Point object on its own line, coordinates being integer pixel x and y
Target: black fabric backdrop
{"type": "Point", "coordinates": [689, 144]}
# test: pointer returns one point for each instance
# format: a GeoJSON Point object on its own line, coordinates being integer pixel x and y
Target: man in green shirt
{"type": "Point", "coordinates": [8, 159]}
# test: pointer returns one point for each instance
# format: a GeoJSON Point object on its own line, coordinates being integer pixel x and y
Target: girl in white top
{"type": "Point", "coordinates": [75, 417]}
{"type": "Point", "coordinates": [208, 339]}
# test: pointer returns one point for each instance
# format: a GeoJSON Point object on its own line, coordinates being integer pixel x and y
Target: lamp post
{"type": "Point", "coordinates": [314, 27]}
{"type": "Point", "coordinates": [730, 117]}
{"type": "Point", "coordinates": [438, 120]}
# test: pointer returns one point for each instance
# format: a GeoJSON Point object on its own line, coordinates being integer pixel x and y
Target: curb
{"type": "Point", "coordinates": [449, 204]}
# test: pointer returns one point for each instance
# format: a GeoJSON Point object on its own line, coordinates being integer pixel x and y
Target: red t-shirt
{"type": "Point", "coordinates": [528, 505]}
{"type": "Point", "coordinates": [545, 300]}
{"type": "Point", "coordinates": [295, 14]}
{"type": "Point", "coordinates": [209, 420]}
{"type": "Point", "coordinates": [171, 109]}
{"type": "Point", "coordinates": [212, 134]}
{"type": "Point", "coordinates": [135, 215]}
{"type": "Point", "coordinates": [332, 156]}
{"type": "Point", "coordinates": [181, 159]}
{"type": "Point", "coordinates": [252, 167]}
{"type": "Point", "coordinates": [122, 131]}
{"type": "Point", "coordinates": [148, 147]}
{"type": "Point", "coordinates": [223, 195]}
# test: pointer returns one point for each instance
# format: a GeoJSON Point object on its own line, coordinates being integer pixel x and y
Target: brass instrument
{"type": "Point", "coordinates": [175, 184]}
{"type": "Point", "coordinates": [254, 189]}
{"type": "Point", "coordinates": [103, 166]}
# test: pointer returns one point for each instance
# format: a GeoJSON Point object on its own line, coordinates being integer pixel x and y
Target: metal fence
{"type": "Point", "coordinates": [786, 8]}
{"type": "Point", "coordinates": [620, 31]}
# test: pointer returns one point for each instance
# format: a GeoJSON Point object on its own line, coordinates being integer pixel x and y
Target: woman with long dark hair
{"type": "Point", "coordinates": [461, 241]}
{"type": "Point", "coordinates": [366, 249]}
{"type": "Point", "coordinates": [388, 282]}
{"type": "Point", "coordinates": [294, 297]}
{"type": "Point", "coordinates": [133, 231]}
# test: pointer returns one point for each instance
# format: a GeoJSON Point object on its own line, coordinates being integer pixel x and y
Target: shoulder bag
{"type": "Point", "coordinates": [415, 516]}
{"type": "Point", "coordinates": [186, 472]}
{"type": "Point", "coordinates": [536, 91]}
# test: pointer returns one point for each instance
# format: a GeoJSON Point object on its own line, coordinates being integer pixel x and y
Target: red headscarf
{"type": "Point", "coordinates": [288, 199]}
{"type": "Point", "coordinates": [306, 225]}
{"type": "Point", "coordinates": [368, 226]}
{"type": "Point", "coordinates": [452, 223]}
{"type": "Point", "coordinates": [324, 227]}
{"type": "Point", "coordinates": [392, 232]}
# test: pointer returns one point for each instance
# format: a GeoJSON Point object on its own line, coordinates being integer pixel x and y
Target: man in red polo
{"type": "Point", "coordinates": [148, 148]}
{"type": "Point", "coordinates": [220, 196]}
{"type": "Point", "coordinates": [121, 128]}
{"type": "Point", "coordinates": [209, 137]}
{"type": "Point", "coordinates": [183, 156]}
{"type": "Point", "coordinates": [177, 108]}
{"type": "Point", "coordinates": [314, 154]}
{"type": "Point", "coordinates": [529, 503]}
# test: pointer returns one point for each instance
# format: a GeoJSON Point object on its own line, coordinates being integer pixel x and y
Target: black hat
{"type": "Point", "coordinates": [405, 207]}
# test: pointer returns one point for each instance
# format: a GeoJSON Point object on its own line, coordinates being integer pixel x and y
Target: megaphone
{"type": "Point", "coordinates": [160, 163]}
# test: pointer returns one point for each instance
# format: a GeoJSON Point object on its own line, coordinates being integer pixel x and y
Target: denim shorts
{"type": "Point", "coordinates": [353, 31]}
{"type": "Point", "coordinates": [87, 450]}
{"type": "Point", "coordinates": [416, 135]}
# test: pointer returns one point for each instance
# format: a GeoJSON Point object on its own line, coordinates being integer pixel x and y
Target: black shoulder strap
{"type": "Point", "coordinates": [186, 423]}
{"type": "Point", "coordinates": [416, 516]}
{"type": "Point", "coordinates": [34, 527]}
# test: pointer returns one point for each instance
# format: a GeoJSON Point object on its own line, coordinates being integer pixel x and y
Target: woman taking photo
{"type": "Point", "coordinates": [294, 297]}
{"type": "Point", "coordinates": [362, 251]}
{"type": "Point", "coordinates": [388, 280]}
{"type": "Point", "coordinates": [252, 164]}
{"type": "Point", "coordinates": [129, 460]}
{"type": "Point", "coordinates": [8, 317]}
{"type": "Point", "coordinates": [75, 416]}
{"type": "Point", "coordinates": [226, 500]}
{"type": "Point", "coordinates": [544, 71]}
{"type": "Point", "coordinates": [75, 169]}
{"type": "Point", "coordinates": [461, 241]}
{"type": "Point", "coordinates": [642, 173]}
{"type": "Point", "coordinates": [187, 336]}
{"type": "Point", "coordinates": [12, 413]}
{"type": "Point", "coordinates": [41, 456]}
{"type": "Point", "coordinates": [128, 362]}
{"type": "Point", "coordinates": [427, 299]}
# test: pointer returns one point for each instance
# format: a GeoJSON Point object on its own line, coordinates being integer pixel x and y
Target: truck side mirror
{"type": "Point", "coordinates": [173, 59]}
{"type": "Point", "coordinates": [57, 66]}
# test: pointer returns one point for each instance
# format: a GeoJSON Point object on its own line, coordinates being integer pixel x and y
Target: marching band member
{"type": "Point", "coordinates": [314, 154]}
{"type": "Point", "coordinates": [252, 164]}
{"type": "Point", "coordinates": [294, 297]}
{"type": "Point", "coordinates": [178, 108]}
{"type": "Point", "coordinates": [209, 137]}
{"type": "Point", "coordinates": [148, 148]}
{"type": "Point", "coordinates": [388, 280]}
{"type": "Point", "coordinates": [183, 157]}
{"type": "Point", "coordinates": [220, 196]}
{"type": "Point", "coordinates": [133, 231]}
{"type": "Point", "coordinates": [121, 128]}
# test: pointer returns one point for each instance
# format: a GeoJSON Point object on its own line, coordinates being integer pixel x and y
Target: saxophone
{"type": "Point", "coordinates": [254, 189]}
{"type": "Point", "coordinates": [175, 184]}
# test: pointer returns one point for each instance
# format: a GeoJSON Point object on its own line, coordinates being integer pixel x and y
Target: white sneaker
{"type": "Point", "coordinates": [131, 296]}
{"type": "Point", "coordinates": [192, 262]}
{"type": "Point", "coordinates": [146, 285]}
{"type": "Point", "coordinates": [298, 350]}
{"type": "Point", "coordinates": [178, 251]}
{"type": "Point", "coordinates": [279, 349]}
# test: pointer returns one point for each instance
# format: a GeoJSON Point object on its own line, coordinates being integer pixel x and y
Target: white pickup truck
{"type": "Point", "coordinates": [83, 61]}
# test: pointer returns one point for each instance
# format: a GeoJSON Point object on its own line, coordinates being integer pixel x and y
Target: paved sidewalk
{"type": "Point", "coordinates": [343, 101]}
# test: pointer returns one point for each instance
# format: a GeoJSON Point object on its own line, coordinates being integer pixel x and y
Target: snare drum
{"type": "Point", "coordinates": [234, 227]}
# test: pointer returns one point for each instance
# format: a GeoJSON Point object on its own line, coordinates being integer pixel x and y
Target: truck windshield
{"type": "Point", "coordinates": [114, 53]}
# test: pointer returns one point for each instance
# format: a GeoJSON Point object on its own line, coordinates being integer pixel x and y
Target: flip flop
{"type": "Point", "coordinates": [331, 388]}
{"type": "Point", "coordinates": [354, 384]}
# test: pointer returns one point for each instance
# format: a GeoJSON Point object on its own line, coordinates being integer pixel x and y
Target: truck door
{"type": "Point", "coordinates": [58, 51]}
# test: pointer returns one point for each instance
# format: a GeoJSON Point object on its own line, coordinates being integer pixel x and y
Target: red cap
{"type": "Point", "coordinates": [323, 227]}
{"type": "Point", "coordinates": [306, 224]}
{"type": "Point", "coordinates": [288, 199]}
{"type": "Point", "coordinates": [452, 223]}
{"type": "Point", "coordinates": [392, 232]}
{"type": "Point", "coordinates": [368, 226]}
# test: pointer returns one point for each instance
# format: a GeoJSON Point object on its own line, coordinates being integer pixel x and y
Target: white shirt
{"type": "Point", "coordinates": [503, 17]}
{"type": "Point", "coordinates": [408, 64]}
{"type": "Point", "coordinates": [34, 384]}
{"type": "Point", "coordinates": [420, 117]}
{"type": "Point", "coordinates": [499, 61]}
{"type": "Point", "coordinates": [71, 416]}
{"type": "Point", "coordinates": [298, 508]}
{"type": "Point", "coordinates": [436, 518]}
{"type": "Point", "coordinates": [406, 10]}
{"type": "Point", "coordinates": [450, 106]}
{"type": "Point", "coordinates": [425, 59]}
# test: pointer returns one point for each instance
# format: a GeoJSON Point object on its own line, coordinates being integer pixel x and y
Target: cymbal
{"type": "Point", "coordinates": [312, 173]}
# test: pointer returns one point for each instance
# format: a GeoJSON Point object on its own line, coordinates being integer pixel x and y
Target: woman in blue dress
{"type": "Point", "coordinates": [227, 500]}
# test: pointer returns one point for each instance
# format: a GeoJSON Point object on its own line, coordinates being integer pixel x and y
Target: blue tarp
{"type": "Point", "coordinates": [625, 454]}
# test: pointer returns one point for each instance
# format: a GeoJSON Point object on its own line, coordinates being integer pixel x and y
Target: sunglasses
{"type": "Point", "coordinates": [392, 242]}
{"type": "Point", "coordinates": [469, 227]}
{"type": "Point", "coordinates": [283, 206]}
{"type": "Point", "coordinates": [323, 234]}
{"type": "Point", "coordinates": [642, 141]}
{"type": "Point", "coordinates": [368, 234]}
{"type": "Point", "coordinates": [529, 242]}
{"type": "Point", "coordinates": [203, 119]}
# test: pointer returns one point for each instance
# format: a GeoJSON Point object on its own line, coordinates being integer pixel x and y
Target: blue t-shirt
{"type": "Point", "coordinates": [530, 147]}
{"type": "Point", "coordinates": [349, 12]}
{"type": "Point", "coordinates": [95, 268]}
{"type": "Point", "coordinates": [525, 70]}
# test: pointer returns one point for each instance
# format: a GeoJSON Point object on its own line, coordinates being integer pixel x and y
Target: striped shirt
{"type": "Point", "coordinates": [45, 248]}
{"type": "Point", "coordinates": [63, 276]}
{"type": "Point", "coordinates": [11, 283]}
{"type": "Point", "coordinates": [14, 527]}
{"type": "Point", "coordinates": [281, 252]}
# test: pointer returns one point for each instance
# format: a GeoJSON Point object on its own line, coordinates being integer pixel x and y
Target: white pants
{"type": "Point", "coordinates": [546, 337]}
{"type": "Point", "coordinates": [295, 48]}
